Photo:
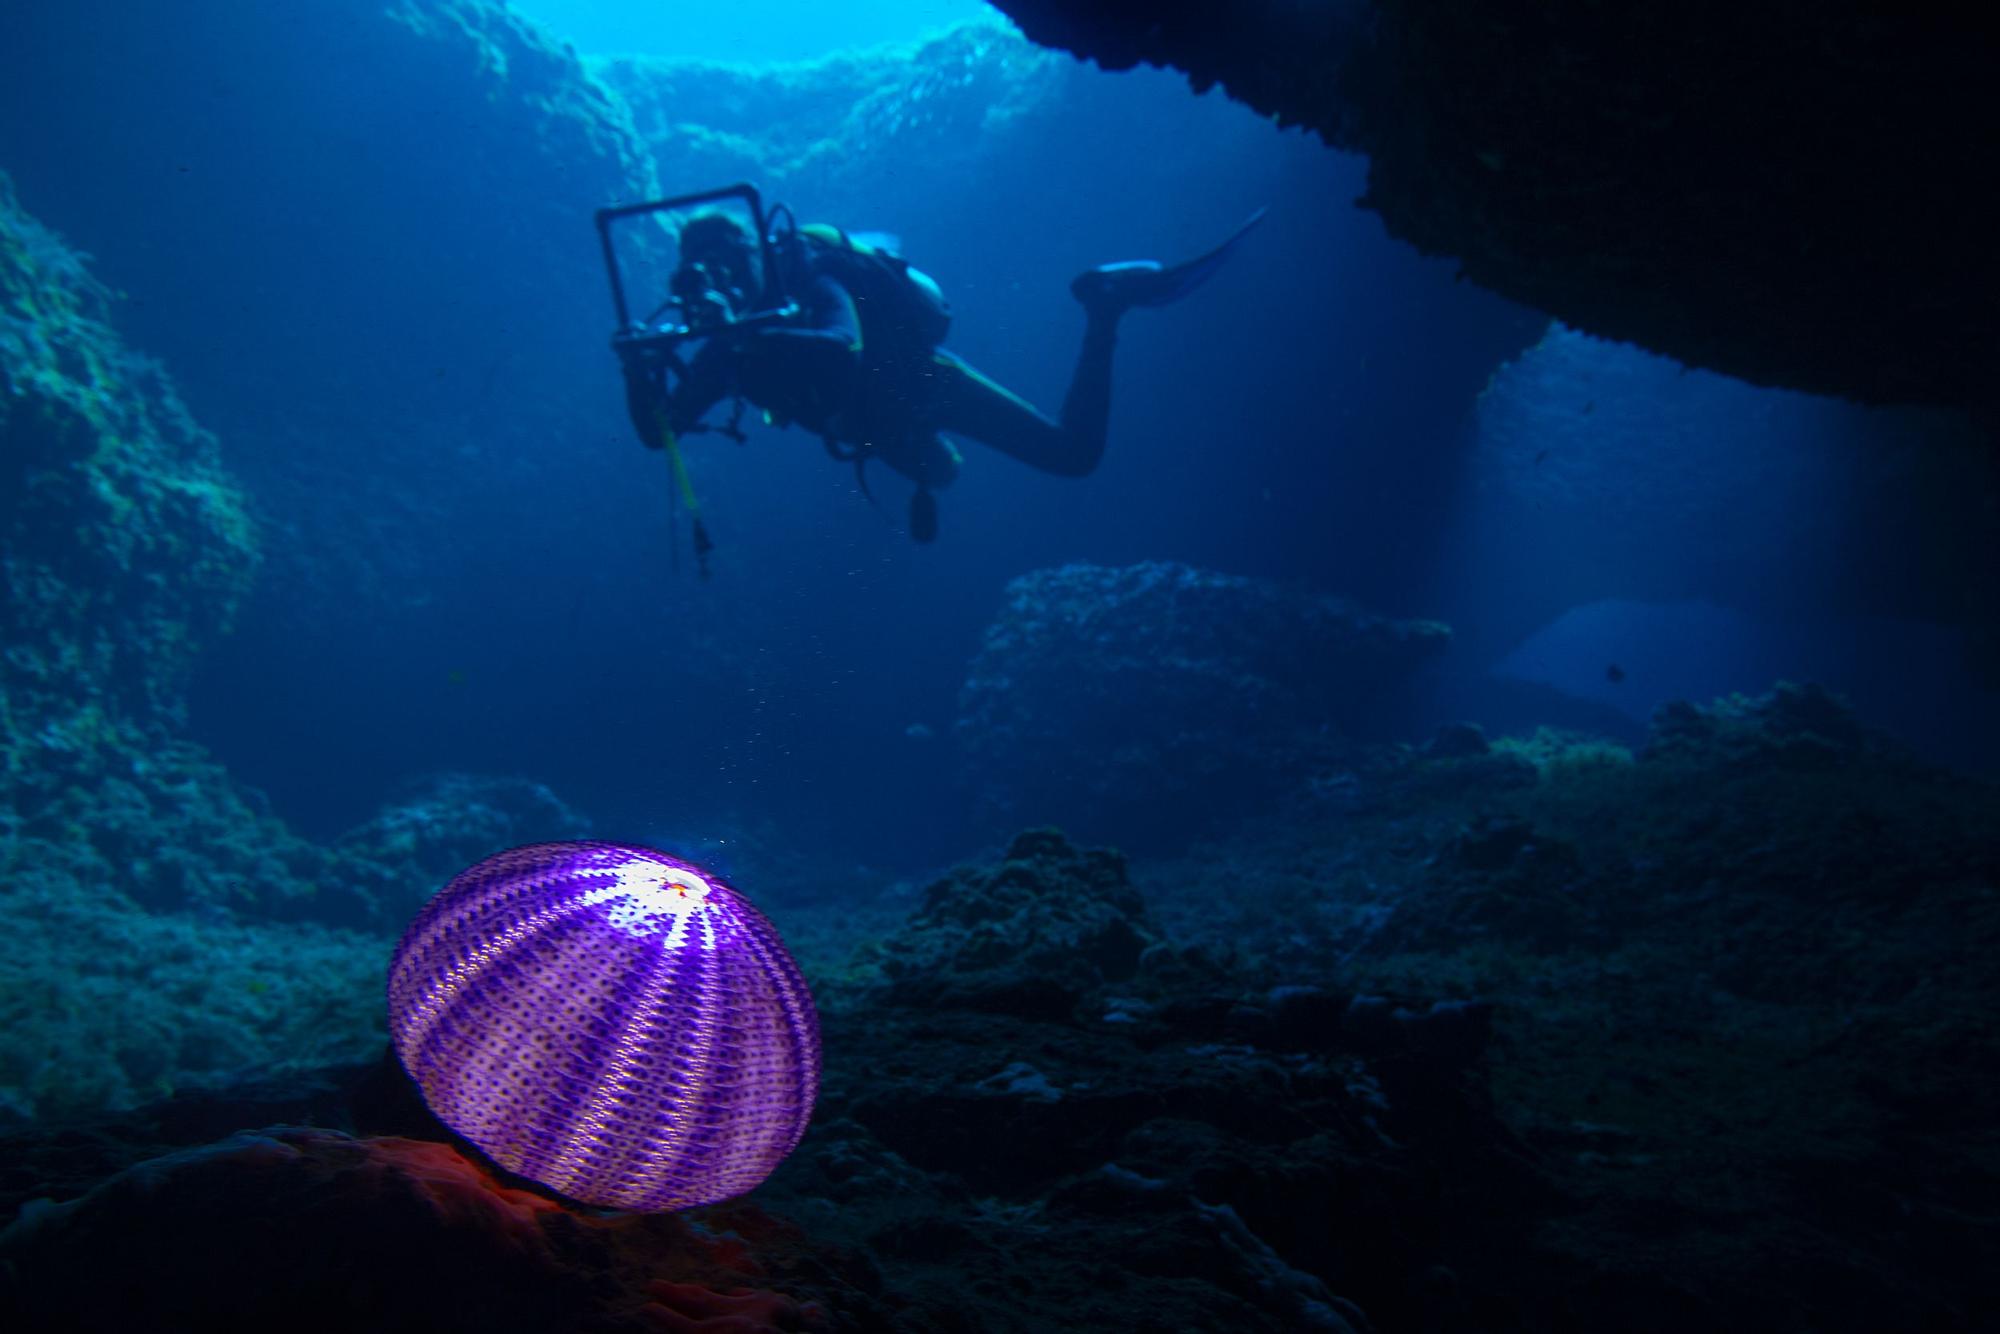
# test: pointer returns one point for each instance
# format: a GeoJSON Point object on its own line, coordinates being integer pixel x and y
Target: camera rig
{"type": "Point", "coordinates": [683, 315]}
{"type": "Point", "coordinates": [648, 349]}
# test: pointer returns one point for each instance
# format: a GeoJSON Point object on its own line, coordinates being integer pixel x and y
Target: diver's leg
{"type": "Point", "coordinates": [971, 405]}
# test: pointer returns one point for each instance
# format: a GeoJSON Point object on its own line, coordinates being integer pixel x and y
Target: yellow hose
{"type": "Point", "coordinates": [671, 444]}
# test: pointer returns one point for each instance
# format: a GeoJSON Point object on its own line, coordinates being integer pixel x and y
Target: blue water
{"type": "Point", "coordinates": [403, 353]}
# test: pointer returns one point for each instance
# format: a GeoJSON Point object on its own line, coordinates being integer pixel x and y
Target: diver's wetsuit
{"type": "Point", "coordinates": [879, 391]}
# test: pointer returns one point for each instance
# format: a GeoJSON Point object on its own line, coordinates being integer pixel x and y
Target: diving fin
{"type": "Point", "coordinates": [1147, 282]}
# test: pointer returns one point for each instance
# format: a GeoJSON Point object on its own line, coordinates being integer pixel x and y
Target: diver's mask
{"type": "Point", "coordinates": [707, 296]}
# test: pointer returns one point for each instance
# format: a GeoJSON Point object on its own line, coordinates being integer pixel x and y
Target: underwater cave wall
{"type": "Point", "coordinates": [1780, 192]}
{"type": "Point", "coordinates": [130, 861]}
{"type": "Point", "coordinates": [128, 549]}
{"type": "Point", "coordinates": [360, 234]}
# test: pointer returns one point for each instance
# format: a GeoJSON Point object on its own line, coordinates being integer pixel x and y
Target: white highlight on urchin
{"type": "Point", "coordinates": [648, 897]}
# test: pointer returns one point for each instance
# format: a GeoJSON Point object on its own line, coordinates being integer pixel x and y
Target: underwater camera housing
{"type": "Point", "coordinates": [694, 308]}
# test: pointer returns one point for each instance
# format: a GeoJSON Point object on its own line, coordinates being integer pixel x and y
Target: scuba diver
{"type": "Point", "coordinates": [838, 334]}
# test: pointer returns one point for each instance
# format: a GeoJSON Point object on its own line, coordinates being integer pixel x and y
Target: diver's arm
{"type": "Point", "coordinates": [827, 339]}
{"type": "Point", "coordinates": [816, 353]}
{"type": "Point", "coordinates": [828, 316]}
{"type": "Point", "coordinates": [707, 382]}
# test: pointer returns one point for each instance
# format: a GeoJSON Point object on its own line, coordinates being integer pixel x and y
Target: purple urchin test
{"type": "Point", "coordinates": [608, 1021]}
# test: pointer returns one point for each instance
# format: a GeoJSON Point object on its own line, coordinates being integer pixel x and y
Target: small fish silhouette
{"type": "Point", "coordinates": [1614, 673]}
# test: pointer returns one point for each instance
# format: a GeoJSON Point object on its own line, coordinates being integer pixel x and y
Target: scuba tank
{"type": "Point", "coordinates": [902, 307]}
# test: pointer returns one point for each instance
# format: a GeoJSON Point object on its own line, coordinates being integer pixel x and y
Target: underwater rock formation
{"type": "Point", "coordinates": [1167, 1157]}
{"type": "Point", "coordinates": [1738, 979]}
{"type": "Point", "coordinates": [439, 825]}
{"type": "Point", "coordinates": [166, 927]}
{"type": "Point", "coordinates": [129, 548]}
{"type": "Point", "coordinates": [835, 131]}
{"type": "Point", "coordinates": [1147, 701]}
{"type": "Point", "coordinates": [104, 1006]}
{"type": "Point", "coordinates": [1157, 1154]}
{"type": "Point", "coordinates": [1031, 935]}
{"type": "Point", "coordinates": [1777, 192]}
{"type": "Point", "coordinates": [1519, 1035]}
{"type": "Point", "coordinates": [109, 998]}
{"type": "Point", "coordinates": [366, 242]}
